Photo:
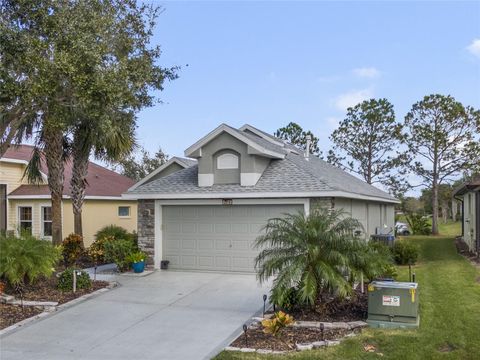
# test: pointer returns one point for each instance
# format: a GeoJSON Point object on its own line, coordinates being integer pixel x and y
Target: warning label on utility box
{"type": "Point", "coordinates": [390, 300]}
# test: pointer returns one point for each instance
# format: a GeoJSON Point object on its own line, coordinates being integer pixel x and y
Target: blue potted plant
{"type": "Point", "coordinates": [137, 259]}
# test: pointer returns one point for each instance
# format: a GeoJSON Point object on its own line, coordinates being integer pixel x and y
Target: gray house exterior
{"type": "Point", "coordinates": [469, 194]}
{"type": "Point", "coordinates": [206, 214]}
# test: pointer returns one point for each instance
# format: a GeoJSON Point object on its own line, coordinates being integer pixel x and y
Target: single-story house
{"type": "Point", "coordinates": [28, 206]}
{"type": "Point", "coordinates": [206, 216]}
{"type": "Point", "coordinates": [469, 195]}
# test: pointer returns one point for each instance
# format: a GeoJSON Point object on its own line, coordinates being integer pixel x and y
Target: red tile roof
{"type": "Point", "coordinates": [101, 181]}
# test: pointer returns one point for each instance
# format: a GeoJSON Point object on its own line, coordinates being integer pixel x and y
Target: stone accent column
{"type": "Point", "coordinates": [146, 228]}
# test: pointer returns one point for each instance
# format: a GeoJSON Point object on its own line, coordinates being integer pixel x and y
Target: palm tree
{"type": "Point", "coordinates": [109, 139]}
{"type": "Point", "coordinates": [317, 253]}
{"type": "Point", "coordinates": [50, 146]}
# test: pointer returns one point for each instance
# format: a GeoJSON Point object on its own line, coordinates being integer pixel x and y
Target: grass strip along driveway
{"type": "Point", "coordinates": [449, 319]}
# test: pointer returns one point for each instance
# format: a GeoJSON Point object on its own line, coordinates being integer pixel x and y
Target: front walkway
{"type": "Point", "coordinates": [166, 315]}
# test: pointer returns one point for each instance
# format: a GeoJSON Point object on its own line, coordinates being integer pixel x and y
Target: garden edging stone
{"type": "Point", "coordinates": [352, 325]}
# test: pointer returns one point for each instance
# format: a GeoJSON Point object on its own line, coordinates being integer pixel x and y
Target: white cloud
{"type": "Point", "coordinates": [352, 98]}
{"type": "Point", "coordinates": [474, 48]}
{"type": "Point", "coordinates": [366, 72]}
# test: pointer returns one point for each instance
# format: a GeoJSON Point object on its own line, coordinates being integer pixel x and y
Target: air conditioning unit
{"type": "Point", "coordinates": [393, 304]}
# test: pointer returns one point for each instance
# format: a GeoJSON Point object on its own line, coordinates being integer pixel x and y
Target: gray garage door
{"type": "Point", "coordinates": [217, 238]}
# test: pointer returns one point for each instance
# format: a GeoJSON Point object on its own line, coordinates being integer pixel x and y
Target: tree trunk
{"type": "Point", "coordinates": [435, 207]}
{"type": "Point", "coordinates": [78, 183]}
{"type": "Point", "coordinates": [444, 212]}
{"type": "Point", "coordinates": [454, 210]}
{"type": "Point", "coordinates": [53, 139]}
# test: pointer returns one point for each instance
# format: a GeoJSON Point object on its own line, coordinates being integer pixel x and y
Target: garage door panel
{"type": "Point", "coordinates": [222, 262]}
{"type": "Point", "coordinates": [206, 261]}
{"type": "Point", "coordinates": [172, 227]}
{"type": "Point", "coordinates": [216, 238]}
{"type": "Point", "coordinates": [222, 212]}
{"type": "Point", "coordinates": [205, 228]}
{"type": "Point", "coordinates": [241, 245]}
{"type": "Point", "coordinates": [206, 244]}
{"type": "Point", "coordinates": [189, 261]}
{"type": "Point", "coordinates": [240, 212]}
{"type": "Point", "coordinates": [172, 244]}
{"type": "Point", "coordinates": [243, 263]}
{"type": "Point", "coordinates": [223, 244]}
{"type": "Point", "coordinates": [189, 244]}
{"type": "Point", "coordinates": [189, 228]}
{"type": "Point", "coordinates": [239, 228]}
{"type": "Point", "coordinates": [189, 212]}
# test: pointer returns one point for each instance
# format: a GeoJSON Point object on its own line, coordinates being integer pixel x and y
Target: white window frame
{"type": "Point", "coordinates": [227, 161]}
{"type": "Point", "coordinates": [42, 221]}
{"type": "Point", "coordinates": [19, 220]}
{"type": "Point", "coordinates": [129, 212]}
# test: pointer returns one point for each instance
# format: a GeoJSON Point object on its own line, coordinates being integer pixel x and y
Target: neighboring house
{"type": "Point", "coordinates": [469, 195]}
{"type": "Point", "coordinates": [27, 206]}
{"type": "Point", "coordinates": [207, 216]}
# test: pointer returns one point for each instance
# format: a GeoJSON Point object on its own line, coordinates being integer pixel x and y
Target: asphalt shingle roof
{"type": "Point", "coordinates": [294, 174]}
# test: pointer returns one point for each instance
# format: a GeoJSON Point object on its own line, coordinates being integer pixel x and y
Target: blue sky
{"type": "Point", "coordinates": [269, 63]}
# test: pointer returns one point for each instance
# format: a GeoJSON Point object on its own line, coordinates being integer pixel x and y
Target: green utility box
{"type": "Point", "coordinates": [393, 304]}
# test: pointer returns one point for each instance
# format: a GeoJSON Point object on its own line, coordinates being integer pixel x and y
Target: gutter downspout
{"type": "Point", "coordinates": [463, 214]}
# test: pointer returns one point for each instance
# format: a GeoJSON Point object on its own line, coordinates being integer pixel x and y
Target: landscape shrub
{"type": "Point", "coordinates": [135, 257]}
{"type": "Point", "coordinates": [290, 299]}
{"type": "Point", "coordinates": [96, 251]}
{"type": "Point", "coordinates": [25, 259]}
{"type": "Point", "coordinates": [119, 251]}
{"type": "Point", "coordinates": [405, 252]}
{"type": "Point", "coordinates": [72, 249]}
{"type": "Point", "coordinates": [115, 232]}
{"type": "Point", "coordinates": [276, 323]}
{"type": "Point", "coordinates": [419, 224]}
{"type": "Point", "coordinates": [389, 271]}
{"type": "Point", "coordinates": [65, 281]}
{"type": "Point", "coordinates": [382, 255]}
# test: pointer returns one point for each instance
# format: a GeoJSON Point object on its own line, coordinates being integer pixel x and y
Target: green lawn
{"type": "Point", "coordinates": [450, 314]}
{"type": "Point", "coordinates": [450, 228]}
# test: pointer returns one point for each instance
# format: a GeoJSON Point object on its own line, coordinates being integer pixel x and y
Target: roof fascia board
{"type": "Point", "coordinates": [65, 197]}
{"type": "Point", "coordinates": [224, 128]}
{"type": "Point", "coordinates": [261, 134]}
{"type": "Point", "coordinates": [157, 171]}
{"type": "Point", "coordinates": [313, 194]}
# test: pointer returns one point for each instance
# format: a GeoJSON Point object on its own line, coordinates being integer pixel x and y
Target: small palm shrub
{"type": "Point", "coordinates": [25, 259]}
{"type": "Point", "coordinates": [405, 252]}
{"type": "Point", "coordinates": [72, 249]}
{"type": "Point", "coordinates": [65, 281]}
{"type": "Point", "coordinates": [318, 252]}
{"type": "Point", "coordinates": [277, 323]}
{"type": "Point", "coordinates": [119, 252]}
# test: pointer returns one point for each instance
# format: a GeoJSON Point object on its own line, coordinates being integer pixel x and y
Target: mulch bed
{"type": "Point", "coordinates": [11, 314]}
{"type": "Point", "coordinates": [286, 339]}
{"type": "Point", "coordinates": [352, 309]}
{"type": "Point", "coordinates": [46, 290]}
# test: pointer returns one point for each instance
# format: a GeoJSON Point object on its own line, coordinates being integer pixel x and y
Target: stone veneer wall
{"type": "Point", "coordinates": [146, 227]}
{"type": "Point", "coordinates": [322, 202]}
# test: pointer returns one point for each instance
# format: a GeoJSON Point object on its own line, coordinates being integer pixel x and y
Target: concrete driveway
{"type": "Point", "coordinates": [166, 315]}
